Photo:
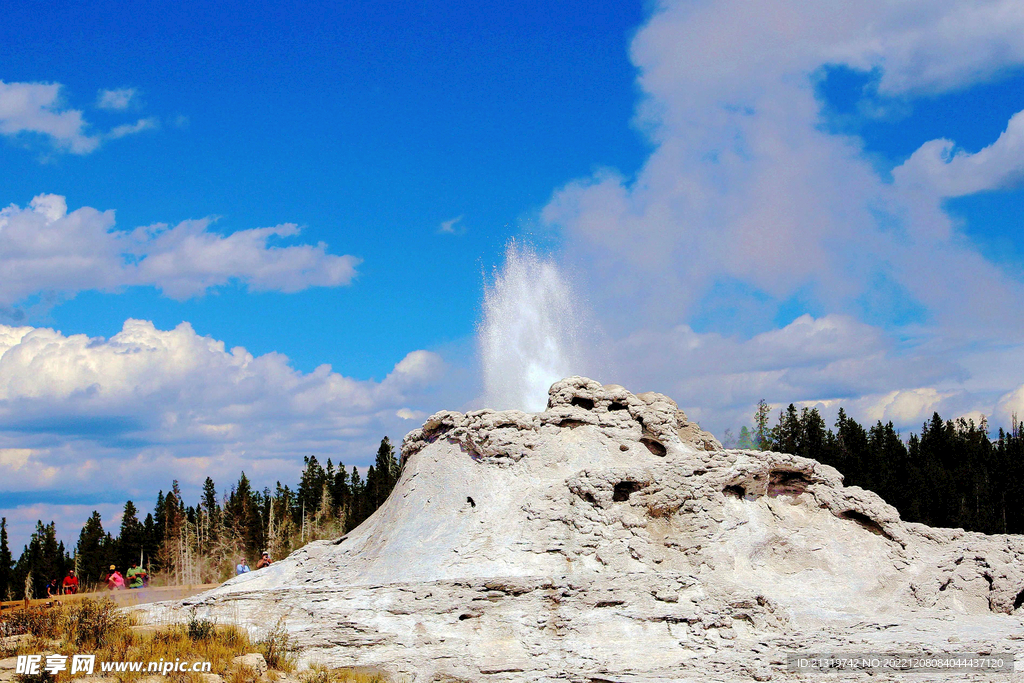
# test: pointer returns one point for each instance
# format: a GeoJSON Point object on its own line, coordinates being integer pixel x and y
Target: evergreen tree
{"type": "Point", "coordinates": [172, 519]}
{"type": "Point", "coordinates": [783, 437]}
{"type": "Point", "coordinates": [358, 511]}
{"type": "Point", "coordinates": [6, 563]}
{"type": "Point", "coordinates": [93, 553]}
{"type": "Point", "coordinates": [242, 517]}
{"type": "Point", "coordinates": [761, 430]}
{"type": "Point", "coordinates": [42, 560]}
{"type": "Point", "coordinates": [209, 516]}
{"type": "Point", "coordinates": [150, 543]}
{"type": "Point", "coordinates": [158, 519]}
{"type": "Point", "coordinates": [386, 471]}
{"type": "Point", "coordinates": [131, 540]}
{"type": "Point", "coordinates": [341, 494]}
{"type": "Point", "coordinates": [310, 490]}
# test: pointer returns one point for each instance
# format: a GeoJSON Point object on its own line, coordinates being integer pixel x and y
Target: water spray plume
{"type": "Point", "coordinates": [529, 337]}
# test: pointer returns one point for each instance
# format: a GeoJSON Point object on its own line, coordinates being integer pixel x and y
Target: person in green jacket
{"type": "Point", "coordinates": [136, 576]}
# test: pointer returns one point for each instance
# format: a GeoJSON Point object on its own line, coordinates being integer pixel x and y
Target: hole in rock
{"type": "Point", "coordinates": [623, 447]}
{"type": "Point", "coordinates": [571, 424]}
{"type": "Point", "coordinates": [785, 483]}
{"type": "Point", "coordinates": [615, 405]}
{"type": "Point", "coordinates": [735, 490]}
{"type": "Point", "coordinates": [469, 499]}
{"type": "Point", "coordinates": [463, 617]}
{"type": "Point", "coordinates": [653, 446]}
{"type": "Point", "coordinates": [624, 489]}
{"type": "Point", "coordinates": [865, 521]}
{"type": "Point", "coordinates": [609, 603]}
{"type": "Point", "coordinates": [585, 403]}
{"type": "Point", "coordinates": [589, 497]}
{"type": "Point", "coordinates": [431, 435]}
{"type": "Point", "coordinates": [1019, 600]}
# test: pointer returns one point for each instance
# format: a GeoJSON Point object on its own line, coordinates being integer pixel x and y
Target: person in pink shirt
{"type": "Point", "coordinates": [114, 579]}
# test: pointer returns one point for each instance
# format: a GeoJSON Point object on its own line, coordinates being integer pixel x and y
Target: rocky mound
{"type": "Point", "coordinates": [609, 538]}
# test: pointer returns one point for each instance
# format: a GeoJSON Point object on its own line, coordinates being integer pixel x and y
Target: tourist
{"type": "Point", "coordinates": [70, 585]}
{"type": "Point", "coordinates": [136, 576]}
{"type": "Point", "coordinates": [114, 579]}
{"type": "Point", "coordinates": [242, 567]}
{"type": "Point", "coordinates": [264, 560]}
{"type": "Point", "coordinates": [52, 590]}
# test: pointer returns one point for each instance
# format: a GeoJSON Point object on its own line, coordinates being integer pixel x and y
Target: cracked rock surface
{"type": "Point", "coordinates": [609, 538]}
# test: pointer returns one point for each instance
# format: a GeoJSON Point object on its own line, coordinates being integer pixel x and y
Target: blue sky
{"type": "Point", "coordinates": [747, 206]}
{"type": "Point", "coordinates": [367, 123]}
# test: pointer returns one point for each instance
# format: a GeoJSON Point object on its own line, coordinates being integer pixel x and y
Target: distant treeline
{"type": "Point", "coordinates": [951, 475]}
{"type": "Point", "coordinates": [199, 543]}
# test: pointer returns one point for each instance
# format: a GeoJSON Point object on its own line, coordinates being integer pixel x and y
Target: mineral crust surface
{"type": "Point", "coordinates": [610, 539]}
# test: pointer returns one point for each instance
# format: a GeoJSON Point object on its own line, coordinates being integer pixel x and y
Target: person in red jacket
{"type": "Point", "coordinates": [70, 585]}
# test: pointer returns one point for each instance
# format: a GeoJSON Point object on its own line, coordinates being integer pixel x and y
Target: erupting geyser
{"type": "Point", "coordinates": [529, 337]}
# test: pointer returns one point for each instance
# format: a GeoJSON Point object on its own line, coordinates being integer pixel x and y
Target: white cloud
{"type": "Point", "coordinates": [115, 99]}
{"type": "Point", "coordinates": [906, 406]}
{"type": "Point", "coordinates": [939, 168]}
{"type": "Point", "coordinates": [744, 184]}
{"type": "Point", "coordinates": [148, 405]}
{"type": "Point", "coordinates": [68, 519]}
{"type": "Point", "coordinates": [150, 123]}
{"type": "Point", "coordinates": [14, 459]}
{"type": "Point", "coordinates": [448, 227]}
{"type": "Point", "coordinates": [833, 360]}
{"type": "Point", "coordinates": [37, 108]}
{"type": "Point", "coordinates": [416, 368]}
{"type": "Point", "coordinates": [1010, 406]}
{"type": "Point", "coordinates": [747, 193]}
{"type": "Point", "coordinates": [43, 248]}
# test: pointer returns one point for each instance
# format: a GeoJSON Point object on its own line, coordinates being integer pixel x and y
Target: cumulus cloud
{"type": "Point", "coordinates": [745, 185]}
{"type": "Point", "coordinates": [1010, 408]}
{"type": "Point", "coordinates": [748, 202]}
{"type": "Point", "coordinates": [43, 248]}
{"type": "Point", "coordinates": [939, 168]}
{"type": "Point", "coordinates": [37, 108]}
{"type": "Point", "coordinates": [718, 380]}
{"type": "Point", "coordinates": [146, 404]}
{"type": "Point", "coordinates": [115, 99]}
{"type": "Point", "coordinates": [906, 406]}
{"type": "Point", "coordinates": [68, 518]}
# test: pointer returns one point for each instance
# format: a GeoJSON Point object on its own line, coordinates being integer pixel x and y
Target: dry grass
{"type": "Point", "coordinates": [99, 627]}
{"type": "Point", "coordinates": [321, 674]}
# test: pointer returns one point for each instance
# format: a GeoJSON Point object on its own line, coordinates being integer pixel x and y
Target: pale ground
{"type": "Point", "coordinates": [609, 539]}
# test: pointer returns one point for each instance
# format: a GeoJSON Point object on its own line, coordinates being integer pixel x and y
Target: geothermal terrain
{"type": "Point", "coordinates": [608, 538]}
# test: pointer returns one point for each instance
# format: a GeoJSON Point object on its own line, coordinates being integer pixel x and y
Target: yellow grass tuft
{"type": "Point", "coordinates": [317, 673]}
{"type": "Point", "coordinates": [99, 627]}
